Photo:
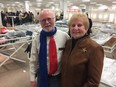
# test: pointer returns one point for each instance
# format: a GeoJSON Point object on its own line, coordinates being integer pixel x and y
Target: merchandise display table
{"type": "Point", "coordinates": [110, 45]}
{"type": "Point", "coordinates": [99, 36]}
{"type": "Point", "coordinates": [105, 35]}
{"type": "Point", "coordinates": [20, 41]}
{"type": "Point", "coordinates": [109, 72]}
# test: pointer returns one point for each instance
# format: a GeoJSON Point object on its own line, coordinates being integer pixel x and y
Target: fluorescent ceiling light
{"type": "Point", "coordinates": [17, 2]}
{"type": "Point", "coordinates": [102, 7]}
{"type": "Point", "coordinates": [27, 1]}
{"type": "Point", "coordinates": [39, 0]}
{"type": "Point", "coordinates": [85, 0]}
{"type": "Point", "coordinates": [75, 7]}
{"type": "Point", "coordinates": [68, 1]}
{"type": "Point", "coordinates": [114, 2]}
{"type": "Point", "coordinates": [51, 2]}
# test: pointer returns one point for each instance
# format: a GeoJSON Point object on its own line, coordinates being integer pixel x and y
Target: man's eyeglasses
{"type": "Point", "coordinates": [47, 19]}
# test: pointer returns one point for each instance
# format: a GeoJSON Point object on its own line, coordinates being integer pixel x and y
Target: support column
{"type": "Point", "coordinates": [88, 9]}
{"type": "Point", "coordinates": [63, 7]}
{"type": "Point", "coordinates": [27, 6]}
{"type": "Point", "coordinates": [0, 19]}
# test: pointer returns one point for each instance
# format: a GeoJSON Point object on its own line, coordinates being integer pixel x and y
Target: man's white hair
{"type": "Point", "coordinates": [47, 11]}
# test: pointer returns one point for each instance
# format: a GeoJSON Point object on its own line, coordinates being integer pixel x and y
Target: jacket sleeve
{"type": "Point", "coordinates": [95, 65]}
{"type": "Point", "coordinates": [34, 59]}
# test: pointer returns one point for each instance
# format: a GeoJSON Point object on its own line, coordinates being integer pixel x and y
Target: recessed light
{"type": "Point", "coordinates": [24, 71]}
{"type": "Point", "coordinates": [85, 0]}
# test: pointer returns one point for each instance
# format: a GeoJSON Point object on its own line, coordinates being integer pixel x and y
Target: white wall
{"type": "Point", "coordinates": [103, 16]}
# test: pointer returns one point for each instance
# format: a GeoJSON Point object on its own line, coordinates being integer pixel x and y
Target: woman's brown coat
{"type": "Point", "coordinates": [82, 67]}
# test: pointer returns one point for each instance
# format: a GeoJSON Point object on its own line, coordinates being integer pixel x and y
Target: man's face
{"type": "Point", "coordinates": [47, 21]}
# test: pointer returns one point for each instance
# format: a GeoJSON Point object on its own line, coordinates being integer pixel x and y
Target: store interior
{"type": "Point", "coordinates": [14, 60]}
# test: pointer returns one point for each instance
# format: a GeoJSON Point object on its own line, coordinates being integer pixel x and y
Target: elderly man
{"type": "Point", "coordinates": [47, 48]}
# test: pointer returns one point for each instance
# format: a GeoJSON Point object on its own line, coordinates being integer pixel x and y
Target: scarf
{"type": "Point", "coordinates": [43, 79]}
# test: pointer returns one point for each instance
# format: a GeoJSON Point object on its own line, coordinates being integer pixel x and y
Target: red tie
{"type": "Point", "coordinates": [53, 56]}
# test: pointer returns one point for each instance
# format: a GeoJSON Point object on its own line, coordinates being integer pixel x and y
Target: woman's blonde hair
{"type": "Point", "coordinates": [80, 16]}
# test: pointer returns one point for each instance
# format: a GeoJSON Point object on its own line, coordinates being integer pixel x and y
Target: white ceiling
{"type": "Point", "coordinates": [48, 3]}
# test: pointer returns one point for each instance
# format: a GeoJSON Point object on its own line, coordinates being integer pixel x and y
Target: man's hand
{"type": "Point", "coordinates": [33, 84]}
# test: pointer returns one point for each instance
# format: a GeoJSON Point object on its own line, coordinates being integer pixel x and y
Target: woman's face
{"type": "Point", "coordinates": [77, 29]}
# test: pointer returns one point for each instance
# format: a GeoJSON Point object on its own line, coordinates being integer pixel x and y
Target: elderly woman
{"type": "Point", "coordinates": [82, 61]}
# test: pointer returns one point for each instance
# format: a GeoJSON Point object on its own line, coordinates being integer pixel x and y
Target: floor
{"type": "Point", "coordinates": [14, 73]}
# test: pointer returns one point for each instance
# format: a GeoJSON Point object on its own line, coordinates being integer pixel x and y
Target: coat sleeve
{"type": "Point", "coordinates": [34, 59]}
{"type": "Point", "coordinates": [95, 65]}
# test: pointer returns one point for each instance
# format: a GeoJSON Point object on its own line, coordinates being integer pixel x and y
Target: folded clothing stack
{"type": "Point", "coordinates": [110, 42]}
{"type": "Point", "coordinates": [13, 34]}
